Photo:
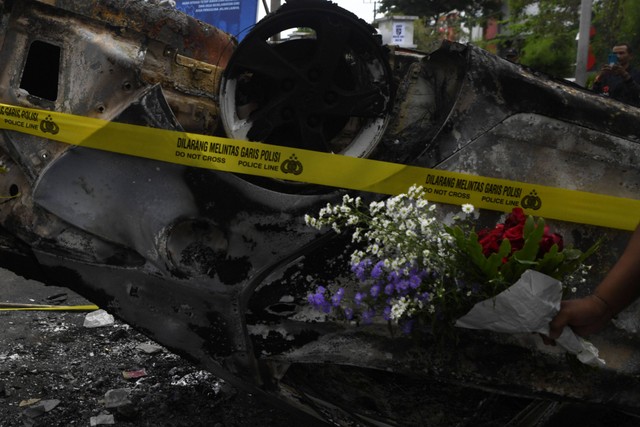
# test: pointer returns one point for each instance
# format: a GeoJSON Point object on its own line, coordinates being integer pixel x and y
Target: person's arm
{"type": "Point", "coordinates": [599, 82]}
{"type": "Point", "coordinates": [630, 83]}
{"type": "Point", "coordinates": [619, 288]}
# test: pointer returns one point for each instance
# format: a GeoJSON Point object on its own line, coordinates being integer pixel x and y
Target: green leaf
{"type": "Point", "coordinates": [533, 233]}
{"type": "Point", "coordinates": [550, 262]}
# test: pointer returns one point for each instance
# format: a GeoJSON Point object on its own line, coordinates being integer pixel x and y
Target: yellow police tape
{"type": "Point", "coordinates": [36, 307]}
{"type": "Point", "coordinates": [296, 164]}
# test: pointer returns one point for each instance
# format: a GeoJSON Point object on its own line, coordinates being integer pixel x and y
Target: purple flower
{"type": "Point", "coordinates": [375, 290]}
{"type": "Point", "coordinates": [402, 286]}
{"type": "Point", "coordinates": [393, 277]}
{"type": "Point", "coordinates": [377, 269]}
{"type": "Point", "coordinates": [386, 313]}
{"type": "Point", "coordinates": [335, 299]}
{"type": "Point", "coordinates": [414, 281]}
{"type": "Point", "coordinates": [360, 269]}
{"type": "Point", "coordinates": [318, 300]}
{"type": "Point", "coordinates": [424, 297]}
{"type": "Point", "coordinates": [315, 299]}
{"type": "Point", "coordinates": [348, 313]}
{"type": "Point", "coordinates": [367, 316]}
{"type": "Point", "coordinates": [389, 289]}
{"type": "Point", "coordinates": [358, 298]}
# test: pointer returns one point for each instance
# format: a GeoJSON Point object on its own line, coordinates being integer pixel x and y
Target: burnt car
{"type": "Point", "coordinates": [217, 266]}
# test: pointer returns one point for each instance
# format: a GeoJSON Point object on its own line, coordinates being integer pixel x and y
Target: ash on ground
{"type": "Point", "coordinates": [61, 368]}
{"type": "Point", "coordinates": [54, 371]}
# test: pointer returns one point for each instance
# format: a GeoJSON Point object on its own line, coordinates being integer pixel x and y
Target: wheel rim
{"type": "Point", "coordinates": [327, 93]}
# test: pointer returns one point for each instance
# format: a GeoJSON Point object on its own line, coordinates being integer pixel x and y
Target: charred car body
{"type": "Point", "coordinates": [216, 266]}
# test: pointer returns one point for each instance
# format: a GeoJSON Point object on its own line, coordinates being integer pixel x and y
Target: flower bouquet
{"type": "Point", "coordinates": [417, 270]}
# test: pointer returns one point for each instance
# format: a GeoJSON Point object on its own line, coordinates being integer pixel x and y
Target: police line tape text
{"type": "Point", "coordinates": [228, 149]}
{"type": "Point", "coordinates": [473, 185]}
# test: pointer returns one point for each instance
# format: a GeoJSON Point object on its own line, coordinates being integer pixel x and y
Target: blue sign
{"type": "Point", "coordinates": [235, 17]}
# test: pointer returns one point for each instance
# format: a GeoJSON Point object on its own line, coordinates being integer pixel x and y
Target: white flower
{"type": "Point", "coordinates": [415, 191]}
{"type": "Point", "coordinates": [398, 308]}
{"type": "Point", "coordinates": [375, 207]}
{"type": "Point", "coordinates": [421, 203]}
{"type": "Point", "coordinates": [404, 211]}
{"type": "Point", "coordinates": [411, 224]}
{"type": "Point", "coordinates": [411, 233]}
{"type": "Point", "coordinates": [467, 208]}
{"type": "Point", "coordinates": [391, 203]}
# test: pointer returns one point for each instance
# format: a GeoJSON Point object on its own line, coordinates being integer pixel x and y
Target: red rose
{"type": "Point", "coordinates": [514, 234]}
{"type": "Point", "coordinates": [548, 240]}
{"type": "Point", "coordinates": [513, 229]}
{"type": "Point", "coordinates": [490, 239]}
{"type": "Point", "coordinates": [516, 217]}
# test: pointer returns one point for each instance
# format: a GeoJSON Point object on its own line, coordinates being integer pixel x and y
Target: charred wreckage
{"type": "Point", "coordinates": [216, 265]}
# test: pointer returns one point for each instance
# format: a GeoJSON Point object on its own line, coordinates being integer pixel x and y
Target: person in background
{"type": "Point", "coordinates": [619, 288]}
{"type": "Point", "coordinates": [512, 55]}
{"type": "Point", "coordinates": [619, 79]}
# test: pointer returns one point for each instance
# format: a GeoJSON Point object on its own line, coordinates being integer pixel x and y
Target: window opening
{"type": "Point", "coordinates": [40, 75]}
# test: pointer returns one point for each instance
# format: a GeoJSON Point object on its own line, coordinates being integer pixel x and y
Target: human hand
{"type": "Point", "coordinates": [605, 69]}
{"type": "Point", "coordinates": [584, 315]}
{"type": "Point", "coordinates": [618, 70]}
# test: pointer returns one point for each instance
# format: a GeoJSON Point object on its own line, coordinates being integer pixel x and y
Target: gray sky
{"type": "Point", "coordinates": [362, 8]}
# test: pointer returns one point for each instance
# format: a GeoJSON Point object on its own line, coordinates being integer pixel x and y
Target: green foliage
{"type": "Point", "coordinates": [432, 8]}
{"type": "Point", "coordinates": [553, 55]}
{"type": "Point", "coordinates": [504, 268]}
{"type": "Point", "coordinates": [425, 37]}
{"type": "Point", "coordinates": [615, 21]}
{"type": "Point", "coordinates": [546, 38]}
{"type": "Point", "coordinates": [472, 11]}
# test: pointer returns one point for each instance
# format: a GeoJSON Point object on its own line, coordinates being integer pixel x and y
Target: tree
{"type": "Point", "coordinates": [431, 12]}
{"type": "Point", "coordinates": [545, 31]}
{"type": "Point", "coordinates": [547, 37]}
{"type": "Point", "coordinates": [615, 21]}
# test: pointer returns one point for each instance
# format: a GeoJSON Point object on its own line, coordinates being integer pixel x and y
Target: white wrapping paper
{"type": "Point", "coordinates": [528, 306]}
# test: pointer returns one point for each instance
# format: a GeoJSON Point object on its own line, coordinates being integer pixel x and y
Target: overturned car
{"type": "Point", "coordinates": [217, 265]}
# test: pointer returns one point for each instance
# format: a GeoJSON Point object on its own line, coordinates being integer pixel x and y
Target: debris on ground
{"type": "Point", "coordinates": [97, 319]}
{"type": "Point", "coordinates": [54, 372]}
